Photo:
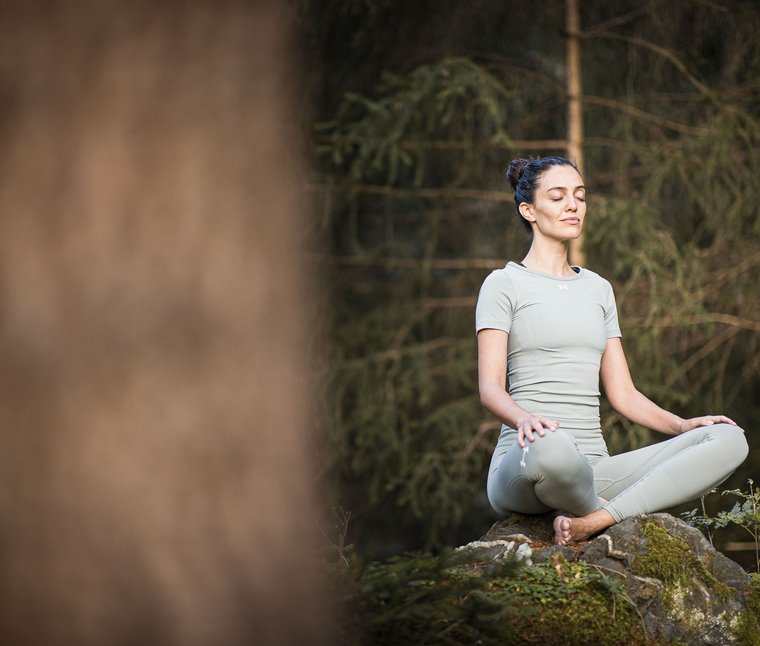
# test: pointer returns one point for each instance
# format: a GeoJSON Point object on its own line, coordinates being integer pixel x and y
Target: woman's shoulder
{"type": "Point", "coordinates": [501, 278]}
{"type": "Point", "coordinates": [592, 275]}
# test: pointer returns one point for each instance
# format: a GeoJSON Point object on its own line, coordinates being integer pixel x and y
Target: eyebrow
{"type": "Point", "coordinates": [564, 188]}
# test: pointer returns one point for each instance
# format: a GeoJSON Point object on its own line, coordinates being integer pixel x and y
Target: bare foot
{"type": "Point", "coordinates": [562, 530]}
{"type": "Point", "coordinates": [568, 530]}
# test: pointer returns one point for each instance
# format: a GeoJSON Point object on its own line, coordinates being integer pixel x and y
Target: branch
{"type": "Point", "coordinates": [721, 276]}
{"type": "Point", "coordinates": [407, 263]}
{"type": "Point", "coordinates": [644, 116]}
{"type": "Point", "coordinates": [707, 349]}
{"type": "Point", "coordinates": [420, 348]}
{"type": "Point", "coordinates": [619, 21]}
{"type": "Point", "coordinates": [479, 439]}
{"type": "Point", "coordinates": [453, 301]}
{"type": "Point", "coordinates": [431, 193]}
{"type": "Point", "coordinates": [448, 144]}
{"type": "Point", "coordinates": [710, 317]}
{"type": "Point", "coordinates": [662, 51]}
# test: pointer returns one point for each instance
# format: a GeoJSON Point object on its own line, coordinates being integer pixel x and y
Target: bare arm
{"type": "Point", "coordinates": [629, 402]}
{"type": "Point", "coordinates": [492, 380]}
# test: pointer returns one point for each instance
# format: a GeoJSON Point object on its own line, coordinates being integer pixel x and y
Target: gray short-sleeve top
{"type": "Point", "coordinates": [558, 328]}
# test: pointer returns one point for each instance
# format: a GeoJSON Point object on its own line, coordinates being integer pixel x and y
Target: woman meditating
{"type": "Point", "coordinates": [553, 330]}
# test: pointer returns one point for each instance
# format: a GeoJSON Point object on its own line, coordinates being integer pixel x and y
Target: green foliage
{"type": "Point", "coordinates": [419, 599]}
{"type": "Point", "coordinates": [749, 628]}
{"type": "Point", "coordinates": [452, 100]}
{"type": "Point", "coordinates": [670, 559]}
{"type": "Point", "coordinates": [745, 514]}
{"type": "Point", "coordinates": [413, 135]}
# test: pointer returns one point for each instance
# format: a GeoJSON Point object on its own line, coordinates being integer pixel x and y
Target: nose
{"type": "Point", "coordinates": [572, 204]}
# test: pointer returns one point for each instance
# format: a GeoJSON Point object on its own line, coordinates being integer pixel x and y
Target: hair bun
{"type": "Point", "coordinates": [515, 171]}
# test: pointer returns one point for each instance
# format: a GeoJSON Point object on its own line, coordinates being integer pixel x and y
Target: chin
{"type": "Point", "coordinates": [570, 236]}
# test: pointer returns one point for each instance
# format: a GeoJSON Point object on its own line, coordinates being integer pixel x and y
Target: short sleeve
{"type": "Point", "coordinates": [496, 303]}
{"type": "Point", "coordinates": [611, 324]}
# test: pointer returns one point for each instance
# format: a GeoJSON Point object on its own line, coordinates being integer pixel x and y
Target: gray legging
{"type": "Point", "coordinates": [552, 474]}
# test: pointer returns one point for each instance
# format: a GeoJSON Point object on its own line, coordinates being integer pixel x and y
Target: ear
{"type": "Point", "coordinates": [526, 210]}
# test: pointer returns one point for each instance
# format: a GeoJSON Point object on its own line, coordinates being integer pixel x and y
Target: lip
{"type": "Point", "coordinates": [572, 220]}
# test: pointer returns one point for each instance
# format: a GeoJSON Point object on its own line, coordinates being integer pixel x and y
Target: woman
{"type": "Point", "coordinates": [554, 329]}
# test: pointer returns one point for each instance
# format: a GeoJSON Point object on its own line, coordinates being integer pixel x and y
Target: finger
{"type": "Point", "coordinates": [529, 433]}
{"type": "Point", "coordinates": [521, 438]}
{"type": "Point", "coordinates": [725, 420]}
{"type": "Point", "coordinates": [538, 426]}
{"type": "Point", "coordinates": [547, 424]}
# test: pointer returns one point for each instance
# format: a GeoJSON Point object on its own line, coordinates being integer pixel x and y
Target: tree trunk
{"type": "Point", "coordinates": [574, 107]}
{"type": "Point", "coordinates": [155, 483]}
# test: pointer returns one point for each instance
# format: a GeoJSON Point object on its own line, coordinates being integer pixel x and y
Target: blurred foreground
{"type": "Point", "coordinates": [154, 485]}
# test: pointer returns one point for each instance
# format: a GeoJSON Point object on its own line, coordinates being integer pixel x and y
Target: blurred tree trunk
{"type": "Point", "coordinates": [155, 485]}
{"type": "Point", "coordinates": [574, 107]}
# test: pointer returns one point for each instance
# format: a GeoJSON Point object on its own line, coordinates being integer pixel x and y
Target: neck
{"type": "Point", "coordinates": [549, 257]}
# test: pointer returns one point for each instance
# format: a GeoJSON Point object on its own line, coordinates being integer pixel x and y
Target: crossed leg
{"type": "Point", "coordinates": [657, 477]}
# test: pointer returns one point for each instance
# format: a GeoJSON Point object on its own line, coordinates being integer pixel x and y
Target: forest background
{"type": "Point", "coordinates": [414, 109]}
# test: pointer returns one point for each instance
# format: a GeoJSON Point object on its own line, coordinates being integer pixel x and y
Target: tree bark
{"type": "Point", "coordinates": [574, 107]}
{"type": "Point", "coordinates": [156, 485]}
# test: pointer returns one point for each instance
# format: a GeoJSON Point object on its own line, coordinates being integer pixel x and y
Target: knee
{"type": "Point", "coordinates": [735, 439]}
{"type": "Point", "coordinates": [554, 445]}
{"type": "Point", "coordinates": [556, 456]}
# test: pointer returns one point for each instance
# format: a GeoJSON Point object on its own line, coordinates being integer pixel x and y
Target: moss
{"type": "Point", "coordinates": [748, 631]}
{"type": "Point", "coordinates": [416, 600]}
{"type": "Point", "coordinates": [428, 600]}
{"type": "Point", "coordinates": [568, 603]}
{"type": "Point", "coordinates": [672, 560]}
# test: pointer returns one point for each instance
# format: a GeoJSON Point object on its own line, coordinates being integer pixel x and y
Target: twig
{"type": "Point", "coordinates": [644, 116]}
{"type": "Point", "coordinates": [662, 51]}
{"type": "Point", "coordinates": [407, 263]}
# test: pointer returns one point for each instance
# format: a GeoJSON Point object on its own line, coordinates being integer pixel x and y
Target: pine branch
{"type": "Point", "coordinates": [420, 348]}
{"type": "Point", "coordinates": [407, 263]}
{"type": "Point", "coordinates": [619, 20]}
{"type": "Point", "coordinates": [460, 301]}
{"type": "Point", "coordinates": [661, 51]}
{"type": "Point", "coordinates": [450, 144]}
{"type": "Point", "coordinates": [644, 116]}
{"type": "Point", "coordinates": [426, 193]}
{"type": "Point", "coordinates": [707, 349]}
{"type": "Point", "coordinates": [727, 319]}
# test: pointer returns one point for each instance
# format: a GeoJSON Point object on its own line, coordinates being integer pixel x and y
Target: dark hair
{"type": "Point", "coordinates": [524, 174]}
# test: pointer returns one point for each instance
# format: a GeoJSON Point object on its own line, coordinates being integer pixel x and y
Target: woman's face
{"type": "Point", "coordinates": [559, 206]}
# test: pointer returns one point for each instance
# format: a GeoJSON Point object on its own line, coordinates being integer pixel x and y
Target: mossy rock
{"type": "Point", "coordinates": [648, 580]}
{"type": "Point", "coordinates": [684, 589]}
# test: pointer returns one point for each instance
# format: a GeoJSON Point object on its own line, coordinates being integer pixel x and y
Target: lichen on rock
{"type": "Point", "coordinates": [683, 589]}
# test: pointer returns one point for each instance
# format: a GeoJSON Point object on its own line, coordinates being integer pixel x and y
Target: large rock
{"type": "Point", "coordinates": [683, 589]}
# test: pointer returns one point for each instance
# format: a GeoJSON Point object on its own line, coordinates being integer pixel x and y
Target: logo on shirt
{"type": "Point", "coordinates": [562, 286]}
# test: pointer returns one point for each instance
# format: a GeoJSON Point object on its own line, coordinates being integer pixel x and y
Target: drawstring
{"type": "Point", "coordinates": [525, 451]}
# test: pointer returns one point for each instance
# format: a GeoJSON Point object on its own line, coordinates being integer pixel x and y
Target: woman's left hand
{"type": "Point", "coordinates": [704, 420]}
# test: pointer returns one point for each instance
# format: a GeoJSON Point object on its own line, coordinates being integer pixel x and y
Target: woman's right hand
{"type": "Point", "coordinates": [534, 424]}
